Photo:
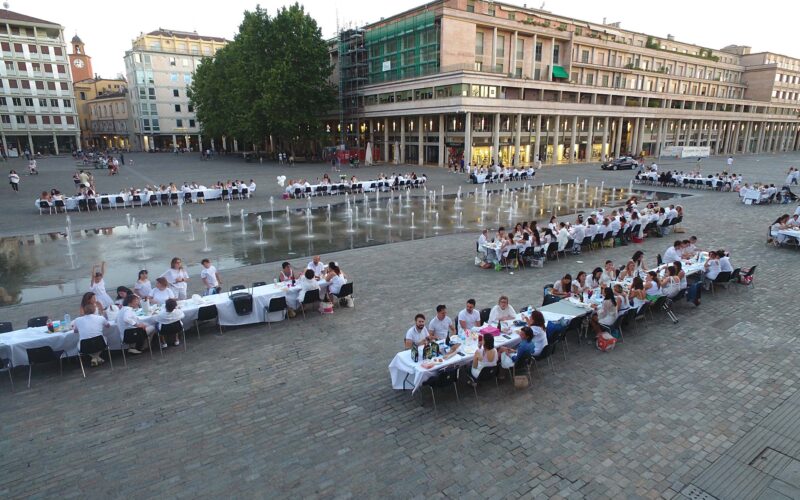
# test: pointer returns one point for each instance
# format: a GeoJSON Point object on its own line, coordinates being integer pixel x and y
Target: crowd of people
{"type": "Point", "coordinates": [98, 309]}
{"type": "Point", "coordinates": [785, 222]}
{"type": "Point", "coordinates": [391, 182]}
{"type": "Point", "coordinates": [572, 236]}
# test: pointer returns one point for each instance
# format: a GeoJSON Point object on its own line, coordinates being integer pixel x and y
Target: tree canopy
{"type": "Point", "coordinates": [272, 79]}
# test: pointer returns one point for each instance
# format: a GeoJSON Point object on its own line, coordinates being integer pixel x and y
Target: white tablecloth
{"type": "Point", "coordinates": [405, 374]}
{"type": "Point", "coordinates": [483, 178]}
{"type": "Point", "coordinates": [71, 203]}
{"type": "Point", "coordinates": [794, 233]}
{"type": "Point", "coordinates": [28, 338]}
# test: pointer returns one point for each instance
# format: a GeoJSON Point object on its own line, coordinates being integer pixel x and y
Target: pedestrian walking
{"type": "Point", "coordinates": [13, 179]}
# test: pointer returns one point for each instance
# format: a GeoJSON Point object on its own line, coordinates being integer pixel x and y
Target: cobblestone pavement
{"type": "Point", "coordinates": [305, 408]}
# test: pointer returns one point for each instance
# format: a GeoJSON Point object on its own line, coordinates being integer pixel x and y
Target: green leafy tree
{"type": "Point", "coordinates": [271, 80]}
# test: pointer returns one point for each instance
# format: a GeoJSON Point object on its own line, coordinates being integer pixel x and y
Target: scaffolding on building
{"type": "Point", "coordinates": [353, 74]}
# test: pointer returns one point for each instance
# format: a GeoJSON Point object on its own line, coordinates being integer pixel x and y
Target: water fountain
{"type": "Point", "coordinates": [288, 218]}
{"type": "Point", "coordinates": [412, 226]}
{"type": "Point", "coordinates": [228, 210]}
{"type": "Point", "coordinates": [309, 224]}
{"type": "Point", "coordinates": [70, 251]}
{"type": "Point", "coordinates": [378, 200]}
{"type": "Point", "coordinates": [425, 209]}
{"type": "Point", "coordinates": [260, 224]}
{"type": "Point", "coordinates": [498, 215]}
{"type": "Point", "coordinates": [460, 224]}
{"type": "Point", "coordinates": [349, 216]}
{"type": "Point", "coordinates": [205, 237]}
{"type": "Point", "coordinates": [180, 215]}
{"type": "Point", "coordinates": [328, 214]}
{"type": "Point", "coordinates": [241, 214]}
{"type": "Point", "coordinates": [436, 221]}
{"type": "Point", "coordinates": [127, 218]}
{"type": "Point", "coordinates": [369, 215]}
{"type": "Point", "coordinates": [191, 227]}
{"type": "Point", "coordinates": [271, 210]}
{"type": "Point", "coordinates": [142, 256]}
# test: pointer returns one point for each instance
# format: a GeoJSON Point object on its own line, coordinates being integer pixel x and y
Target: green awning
{"type": "Point", "coordinates": [560, 72]}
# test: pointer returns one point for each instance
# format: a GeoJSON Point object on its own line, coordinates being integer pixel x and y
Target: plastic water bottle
{"type": "Point", "coordinates": [67, 321]}
{"type": "Point", "coordinates": [146, 306]}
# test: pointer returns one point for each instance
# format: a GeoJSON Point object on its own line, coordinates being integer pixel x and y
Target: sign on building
{"type": "Point", "coordinates": [387, 65]}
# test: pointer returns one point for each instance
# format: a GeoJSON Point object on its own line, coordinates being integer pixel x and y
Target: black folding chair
{"type": "Point", "coordinates": [546, 354]}
{"type": "Point", "coordinates": [237, 287]}
{"type": "Point", "coordinates": [170, 329]}
{"type": "Point", "coordinates": [485, 312]}
{"type": "Point", "coordinates": [207, 313]}
{"type": "Point", "coordinates": [132, 337]}
{"type": "Point", "coordinates": [443, 378]}
{"type": "Point", "coordinates": [487, 373]}
{"type": "Point", "coordinates": [258, 283]}
{"type": "Point", "coordinates": [311, 297]}
{"type": "Point", "coordinates": [276, 304]}
{"type": "Point", "coordinates": [46, 354]}
{"type": "Point", "coordinates": [345, 291]}
{"type": "Point", "coordinates": [91, 346]}
{"type": "Point", "coordinates": [6, 326]}
{"type": "Point", "coordinates": [6, 364]}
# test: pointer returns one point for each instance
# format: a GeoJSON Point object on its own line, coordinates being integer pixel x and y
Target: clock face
{"type": "Point", "coordinates": [78, 63]}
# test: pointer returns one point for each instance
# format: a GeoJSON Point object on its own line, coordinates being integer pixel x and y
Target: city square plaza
{"type": "Point", "coordinates": [305, 407]}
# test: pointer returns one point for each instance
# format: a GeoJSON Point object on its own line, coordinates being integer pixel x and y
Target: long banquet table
{"type": "Point", "coordinates": [406, 374]}
{"type": "Point", "coordinates": [71, 203]}
{"type": "Point", "coordinates": [67, 340]}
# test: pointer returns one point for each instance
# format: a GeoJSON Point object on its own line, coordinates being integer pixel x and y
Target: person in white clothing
{"type": "Point", "coordinates": [417, 334]}
{"type": "Point", "coordinates": [161, 293]}
{"type": "Point", "coordinates": [210, 276]}
{"type": "Point", "coordinates": [177, 277]}
{"type": "Point", "coordinates": [469, 317]}
{"type": "Point", "coordinates": [562, 237]}
{"type": "Point", "coordinates": [673, 253]}
{"type": "Point", "coordinates": [89, 326]}
{"type": "Point", "coordinates": [170, 314]}
{"type": "Point", "coordinates": [502, 311]}
{"type": "Point", "coordinates": [485, 357]}
{"type": "Point", "coordinates": [98, 286]}
{"type": "Point", "coordinates": [317, 266]}
{"type": "Point", "coordinates": [441, 326]}
{"type": "Point", "coordinates": [127, 319]}
{"type": "Point", "coordinates": [143, 287]}
{"type": "Point", "coordinates": [797, 210]}
{"type": "Point", "coordinates": [730, 161]}
{"type": "Point", "coordinates": [335, 280]}
{"type": "Point", "coordinates": [725, 265]}
{"type": "Point", "coordinates": [712, 268]}
{"type": "Point", "coordinates": [307, 282]}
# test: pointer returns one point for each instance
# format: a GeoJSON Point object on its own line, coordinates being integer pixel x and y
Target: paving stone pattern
{"type": "Point", "coordinates": [305, 408]}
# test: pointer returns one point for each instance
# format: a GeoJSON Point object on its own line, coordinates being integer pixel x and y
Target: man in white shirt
{"type": "Point", "coordinates": [578, 234]}
{"type": "Point", "coordinates": [89, 326]}
{"type": "Point", "coordinates": [673, 253]}
{"type": "Point", "coordinates": [730, 161]}
{"type": "Point", "coordinates": [469, 317]}
{"type": "Point", "coordinates": [502, 311]}
{"type": "Point", "coordinates": [316, 265]}
{"type": "Point", "coordinates": [417, 334]}
{"type": "Point", "coordinates": [725, 265]}
{"type": "Point", "coordinates": [127, 319]}
{"type": "Point", "coordinates": [210, 276]}
{"type": "Point", "coordinates": [441, 326]}
{"type": "Point", "coordinates": [794, 221]}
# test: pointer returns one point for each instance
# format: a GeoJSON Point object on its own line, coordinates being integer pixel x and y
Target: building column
{"type": "Point", "coordinates": [700, 132]}
{"type": "Point", "coordinates": [748, 137]}
{"type": "Point", "coordinates": [604, 139]}
{"type": "Point", "coordinates": [513, 55]}
{"type": "Point", "coordinates": [633, 140]}
{"type": "Point", "coordinates": [618, 139]}
{"type": "Point", "coordinates": [533, 63]}
{"type": "Point", "coordinates": [224, 143]}
{"type": "Point", "coordinates": [659, 139]}
{"type": "Point", "coordinates": [794, 138]}
{"type": "Point", "coordinates": [386, 145]}
{"type": "Point", "coordinates": [421, 141]}
{"type": "Point", "coordinates": [402, 152]}
{"type": "Point", "coordinates": [759, 136]}
{"type": "Point", "coordinates": [590, 140]}
{"type": "Point", "coordinates": [556, 132]}
{"type": "Point", "coordinates": [786, 132]}
{"type": "Point", "coordinates": [718, 140]}
{"type": "Point", "coordinates": [573, 139]}
{"type": "Point", "coordinates": [5, 144]}
{"type": "Point", "coordinates": [552, 58]}
{"type": "Point", "coordinates": [728, 137]}
{"type": "Point", "coordinates": [736, 127]}
{"type": "Point", "coordinates": [496, 136]}
{"type": "Point", "coordinates": [640, 137]}
{"type": "Point", "coordinates": [538, 136]}
{"type": "Point", "coordinates": [517, 135]}
{"type": "Point", "coordinates": [442, 149]}
{"type": "Point", "coordinates": [767, 138]}
{"type": "Point", "coordinates": [55, 142]}
{"type": "Point", "coordinates": [235, 146]}
{"type": "Point", "coordinates": [468, 139]}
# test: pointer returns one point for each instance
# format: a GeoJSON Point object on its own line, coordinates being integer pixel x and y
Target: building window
{"type": "Point", "coordinates": [177, 108]}
{"type": "Point", "coordinates": [191, 108]}
{"type": "Point", "coordinates": [151, 92]}
{"type": "Point", "coordinates": [82, 96]}
{"type": "Point", "coordinates": [585, 56]}
{"type": "Point", "coordinates": [512, 16]}
{"type": "Point", "coordinates": [176, 93]}
{"type": "Point", "coordinates": [470, 5]}
{"type": "Point", "coordinates": [39, 85]}
{"type": "Point", "coordinates": [26, 84]}
{"type": "Point", "coordinates": [520, 49]}
{"type": "Point", "coordinates": [5, 118]}
{"type": "Point", "coordinates": [22, 66]}
{"type": "Point", "coordinates": [57, 51]}
{"type": "Point", "coordinates": [173, 77]}
{"type": "Point", "coordinates": [191, 123]}
{"type": "Point", "coordinates": [590, 79]}
{"type": "Point", "coordinates": [137, 58]}
{"type": "Point", "coordinates": [185, 62]}
{"type": "Point", "coordinates": [51, 86]}
{"type": "Point", "coordinates": [492, 10]}
{"type": "Point", "coordinates": [64, 86]}
{"type": "Point", "coordinates": [70, 120]}
{"type": "Point", "coordinates": [45, 120]}
{"type": "Point", "coordinates": [479, 43]}
{"type": "Point", "coordinates": [172, 61]}
{"type": "Point", "coordinates": [556, 53]}
{"type": "Point", "coordinates": [28, 102]}
{"type": "Point", "coordinates": [45, 49]}
{"type": "Point", "coordinates": [2, 101]}
{"type": "Point", "coordinates": [605, 80]}
{"type": "Point", "coordinates": [53, 103]}
{"type": "Point", "coordinates": [20, 119]}
{"type": "Point", "coordinates": [538, 52]}
{"type": "Point", "coordinates": [501, 46]}
{"type": "Point", "coordinates": [67, 103]}
{"type": "Point", "coordinates": [518, 72]}
{"type": "Point", "coordinates": [537, 74]}
{"type": "Point", "coordinates": [16, 101]}
{"type": "Point", "coordinates": [187, 79]}
{"type": "Point", "coordinates": [61, 68]}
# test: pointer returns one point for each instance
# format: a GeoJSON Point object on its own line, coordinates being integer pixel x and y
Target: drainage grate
{"type": "Point", "coordinates": [695, 493]}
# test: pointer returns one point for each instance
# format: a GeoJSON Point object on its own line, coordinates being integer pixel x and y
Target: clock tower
{"type": "Point", "coordinates": [80, 64]}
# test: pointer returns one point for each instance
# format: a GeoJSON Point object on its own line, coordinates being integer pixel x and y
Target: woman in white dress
{"type": "Point", "coordinates": [143, 287]}
{"type": "Point", "coordinates": [177, 277]}
{"type": "Point", "coordinates": [98, 286]}
{"type": "Point", "coordinates": [162, 292]}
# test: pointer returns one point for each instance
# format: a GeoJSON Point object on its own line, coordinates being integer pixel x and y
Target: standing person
{"type": "Point", "coordinates": [122, 159]}
{"type": "Point", "coordinates": [177, 277]}
{"type": "Point", "coordinates": [13, 179]}
{"type": "Point", "coordinates": [317, 266]}
{"type": "Point", "coordinates": [211, 278]}
{"type": "Point", "coordinates": [98, 285]}
{"type": "Point", "coordinates": [143, 287]}
{"type": "Point", "coordinates": [730, 163]}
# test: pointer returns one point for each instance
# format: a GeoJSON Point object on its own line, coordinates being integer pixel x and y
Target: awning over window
{"type": "Point", "coordinates": [560, 72]}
